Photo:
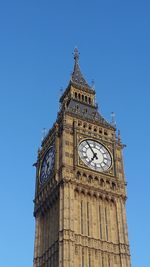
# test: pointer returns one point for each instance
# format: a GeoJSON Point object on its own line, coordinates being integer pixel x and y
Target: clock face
{"type": "Point", "coordinates": [47, 165]}
{"type": "Point", "coordinates": [94, 155]}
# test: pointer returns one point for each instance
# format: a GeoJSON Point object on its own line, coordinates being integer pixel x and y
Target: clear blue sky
{"type": "Point", "coordinates": [37, 39]}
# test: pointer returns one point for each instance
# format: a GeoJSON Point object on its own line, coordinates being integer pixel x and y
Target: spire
{"type": "Point", "coordinates": [77, 77]}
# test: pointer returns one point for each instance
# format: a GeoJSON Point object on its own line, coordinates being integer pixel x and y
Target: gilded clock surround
{"type": "Point", "coordinates": [80, 213]}
{"type": "Point", "coordinates": [81, 157]}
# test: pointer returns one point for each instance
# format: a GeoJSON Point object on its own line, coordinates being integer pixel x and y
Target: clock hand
{"type": "Point", "coordinates": [47, 166]}
{"type": "Point", "coordinates": [90, 147]}
{"type": "Point", "coordinates": [94, 154]}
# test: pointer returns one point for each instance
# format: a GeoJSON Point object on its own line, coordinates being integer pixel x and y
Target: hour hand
{"type": "Point", "coordinates": [94, 154]}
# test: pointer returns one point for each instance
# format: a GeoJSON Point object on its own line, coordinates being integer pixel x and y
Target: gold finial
{"type": "Point", "coordinates": [76, 54]}
{"type": "Point", "coordinates": [113, 119]}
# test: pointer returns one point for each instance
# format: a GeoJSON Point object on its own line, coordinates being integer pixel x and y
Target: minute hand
{"type": "Point", "coordinates": [94, 154]}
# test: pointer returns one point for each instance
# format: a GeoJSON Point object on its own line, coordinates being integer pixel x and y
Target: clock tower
{"type": "Point", "coordinates": [80, 191]}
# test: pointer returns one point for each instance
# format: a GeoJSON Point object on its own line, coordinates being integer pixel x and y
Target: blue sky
{"type": "Point", "coordinates": [37, 39]}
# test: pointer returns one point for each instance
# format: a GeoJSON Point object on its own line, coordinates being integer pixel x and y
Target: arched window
{"type": "Point", "coordinates": [96, 179]}
{"type": "Point", "coordinates": [82, 263]}
{"type": "Point", "coordinates": [78, 174]}
{"type": "Point", "coordinates": [102, 182]}
{"type": "Point", "coordinates": [100, 131]}
{"type": "Point", "coordinates": [90, 177]}
{"type": "Point", "coordinates": [113, 186]}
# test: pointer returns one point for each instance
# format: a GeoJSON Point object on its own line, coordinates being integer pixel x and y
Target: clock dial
{"type": "Point", "coordinates": [47, 165]}
{"type": "Point", "coordinates": [94, 155]}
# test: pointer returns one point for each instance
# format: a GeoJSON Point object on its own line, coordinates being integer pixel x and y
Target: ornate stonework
{"type": "Point", "coordinates": [80, 212]}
